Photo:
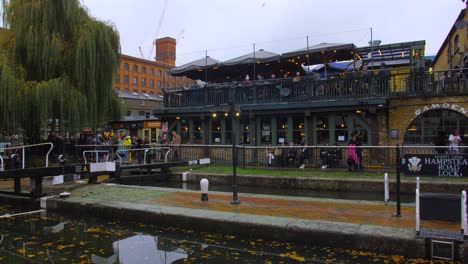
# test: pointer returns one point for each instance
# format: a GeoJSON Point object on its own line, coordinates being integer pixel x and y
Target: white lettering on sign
{"type": "Point", "coordinates": [453, 107]}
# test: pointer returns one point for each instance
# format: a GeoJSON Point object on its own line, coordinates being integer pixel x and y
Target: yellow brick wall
{"type": "Point", "coordinates": [442, 62]}
{"type": "Point", "coordinates": [403, 111]}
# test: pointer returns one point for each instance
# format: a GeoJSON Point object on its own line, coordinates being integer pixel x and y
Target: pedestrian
{"type": "Point", "coordinates": [176, 145]}
{"type": "Point", "coordinates": [270, 156]}
{"type": "Point", "coordinates": [454, 140]}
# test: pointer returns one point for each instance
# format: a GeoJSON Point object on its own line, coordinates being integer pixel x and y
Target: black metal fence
{"type": "Point", "coordinates": [351, 85]}
{"type": "Point", "coordinates": [325, 158]}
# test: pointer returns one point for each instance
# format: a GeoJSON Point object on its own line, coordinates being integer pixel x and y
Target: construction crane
{"type": "Point", "coordinates": [158, 29]}
{"type": "Point", "coordinates": [180, 35]}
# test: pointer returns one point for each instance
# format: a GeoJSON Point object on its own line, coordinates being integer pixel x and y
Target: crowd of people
{"type": "Point", "coordinates": [130, 148]}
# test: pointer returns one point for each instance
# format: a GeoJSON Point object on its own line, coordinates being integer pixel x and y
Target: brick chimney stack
{"type": "Point", "coordinates": [166, 50]}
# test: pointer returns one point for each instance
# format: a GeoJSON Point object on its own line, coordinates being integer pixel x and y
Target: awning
{"type": "Point", "coordinates": [261, 56]}
{"type": "Point", "coordinates": [200, 64]}
{"type": "Point", "coordinates": [321, 53]}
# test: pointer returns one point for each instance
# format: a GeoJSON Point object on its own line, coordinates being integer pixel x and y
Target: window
{"type": "Point", "coordinates": [245, 133]}
{"type": "Point", "coordinates": [341, 129]}
{"type": "Point", "coordinates": [143, 69]}
{"type": "Point", "coordinates": [216, 131]}
{"type": "Point", "coordinates": [143, 82]}
{"type": "Point", "coordinates": [141, 113]}
{"type": "Point", "coordinates": [266, 131]}
{"type": "Point", "coordinates": [117, 78]}
{"type": "Point", "coordinates": [197, 131]}
{"type": "Point", "coordinates": [125, 66]}
{"type": "Point", "coordinates": [185, 134]}
{"type": "Point", "coordinates": [151, 83]}
{"type": "Point", "coordinates": [135, 68]}
{"type": "Point", "coordinates": [142, 102]}
{"type": "Point", "coordinates": [322, 130]}
{"type": "Point", "coordinates": [159, 84]}
{"type": "Point", "coordinates": [159, 72]}
{"type": "Point", "coordinates": [282, 129]}
{"type": "Point", "coordinates": [135, 81]}
{"type": "Point", "coordinates": [456, 43]}
{"type": "Point", "coordinates": [129, 113]}
{"type": "Point", "coordinates": [126, 79]}
{"type": "Point", "coordinates": [298, 130]}
{"type": "Point", "coordinates": [151, 71]}
{"type": "Point", "coordinates": [434, 127]}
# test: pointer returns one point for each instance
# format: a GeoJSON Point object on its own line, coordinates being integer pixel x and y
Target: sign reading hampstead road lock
{"type": "Point", "coordinates": [442, 165]}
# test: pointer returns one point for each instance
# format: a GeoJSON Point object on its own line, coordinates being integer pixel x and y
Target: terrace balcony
{"type": "Point", "coordinates": [337, 90]}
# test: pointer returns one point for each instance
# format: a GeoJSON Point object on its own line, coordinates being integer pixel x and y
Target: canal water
{"type": "Point", "coordinates": [43, 237]}
{"type": "Point", "coordinates": [366, 196]}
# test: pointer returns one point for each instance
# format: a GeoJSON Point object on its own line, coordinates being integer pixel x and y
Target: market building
{"type": "Point", "coordinates": [309, 109]}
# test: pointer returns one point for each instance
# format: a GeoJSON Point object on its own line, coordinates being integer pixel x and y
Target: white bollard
{"type": "Point", "coordinates": [184, 176]}
{"type": "Point", "coordinates": [386, 191]}
{"type": "Point", "coordinates": [464, 223]}
{"type": "Point", "coordinates": [417, 183]}
{"type": "Point", "coordinates": [204, 189]}
{"type": "Point", "coordinates": [417, 213]}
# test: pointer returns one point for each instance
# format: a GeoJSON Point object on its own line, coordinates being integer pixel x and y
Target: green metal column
{"type": "Point", "coordinates": [210, 128]}
{"type": "Point", "coordinates": [179, 127]}
{"type": "Point", "coordinates": [308, 138]}
{"type": "Point", "coordinates": [236, 128]}
{"type": "Point", "coordinates": [258, 131]}
{"type": "Point", "coordinates": [223, 131]}
{"type": "Point", "coordinates": [190, 131]}
{"type": "Point", "coordinates": [274, 135]}
{"type": "Point", "coordinates": [314, 129]}
{"type": "Point", "coordinates": [350, 124]}
{"type": "Point", "coordinates": [290, 129]}
{"type": "Point", "coordinates": [331, 129]}
{"type": "Point", "coordinates": [205, 130]}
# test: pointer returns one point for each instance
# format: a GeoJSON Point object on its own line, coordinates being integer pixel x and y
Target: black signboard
{"type": "Point", "coordinates": [440, 165]}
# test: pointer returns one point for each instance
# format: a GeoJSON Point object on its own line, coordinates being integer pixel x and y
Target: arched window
{"type": "Point", "coordinates": [456, 43]}
{"type": "Point", "coordinates": [434, 127]}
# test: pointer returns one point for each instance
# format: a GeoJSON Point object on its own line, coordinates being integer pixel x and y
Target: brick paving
{"type": "Point", "coordinates": [327, 210]}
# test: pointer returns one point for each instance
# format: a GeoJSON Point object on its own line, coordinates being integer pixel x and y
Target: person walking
{"type": "Point", "coordinates": [176, 145]}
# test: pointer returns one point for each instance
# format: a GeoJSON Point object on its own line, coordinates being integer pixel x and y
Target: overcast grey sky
{"type": "Point", "coordinates": [228, 28]}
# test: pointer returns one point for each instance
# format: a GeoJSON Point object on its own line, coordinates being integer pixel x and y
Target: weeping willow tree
{"type": "Point", "coordinates": [58, 65]}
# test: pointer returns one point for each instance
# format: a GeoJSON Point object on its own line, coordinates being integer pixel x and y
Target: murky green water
{"type": "Point", "coordinates": [50, 238]}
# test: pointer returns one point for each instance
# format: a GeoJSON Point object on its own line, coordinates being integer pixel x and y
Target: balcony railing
{"type": "Point", "coordinates": [351, 85]}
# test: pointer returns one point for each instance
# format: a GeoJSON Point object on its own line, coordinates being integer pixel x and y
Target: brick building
{"type": "Point", "coordinates": [147, 76]}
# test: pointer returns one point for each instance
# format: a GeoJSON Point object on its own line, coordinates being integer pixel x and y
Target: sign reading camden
{"type": "Point", "coordinates": [448, 106]}
{"type": "Point", "coordinates": [454, 166]}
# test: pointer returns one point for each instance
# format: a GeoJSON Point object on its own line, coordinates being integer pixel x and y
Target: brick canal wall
{"type": "Point", "coordinates": [408, 186]}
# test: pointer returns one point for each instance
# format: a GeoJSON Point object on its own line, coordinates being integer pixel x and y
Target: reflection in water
{"type": "Point", "coordinates": [146, 250]}
{"type": "Point", "coordinates": [49, 238]}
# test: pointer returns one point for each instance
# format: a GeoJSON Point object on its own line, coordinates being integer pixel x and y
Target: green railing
{"type": "Point", "coordinates": [345, 86]}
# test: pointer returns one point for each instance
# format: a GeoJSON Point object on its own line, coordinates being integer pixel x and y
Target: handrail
{"type": "Point", "coordinates": [145, 152]}
{"type": "Point", "coordinates": [33, 145]}
{"type": "Point", "coordinates": [158, 148]}
{"type": "Point", "coordinates": [96, 152]}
